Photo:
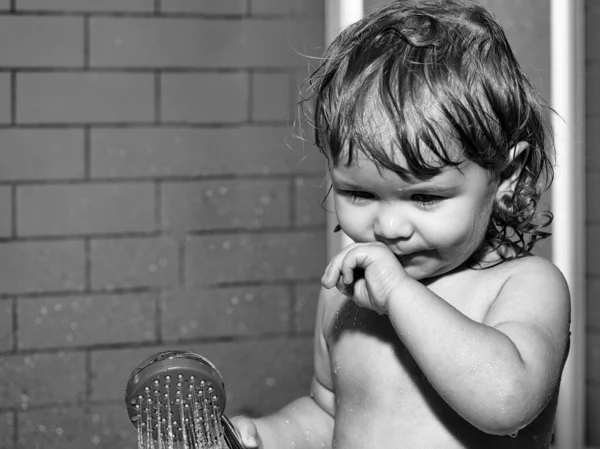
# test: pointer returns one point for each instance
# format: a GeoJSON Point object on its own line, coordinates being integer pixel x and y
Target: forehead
{"type": "Point", "coordinates": [364, 173]}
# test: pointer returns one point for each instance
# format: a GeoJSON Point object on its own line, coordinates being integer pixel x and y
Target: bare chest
{"type": "Point", "coordinates": [365, 345]}
{"type": "Point", "coordinates": [376, 379]}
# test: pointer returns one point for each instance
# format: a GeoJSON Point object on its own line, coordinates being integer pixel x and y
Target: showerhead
{"type": "Point", "coordinates": [179, 396]}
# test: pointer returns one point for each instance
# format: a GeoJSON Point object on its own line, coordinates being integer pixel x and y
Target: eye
{"type": "Point", "coordinates": [356, 195]}
{"type": "Point", "coordinates": [426, 200]}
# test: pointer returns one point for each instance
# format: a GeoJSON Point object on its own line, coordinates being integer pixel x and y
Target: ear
{"type": "Point", "coordinates": [509, 176]}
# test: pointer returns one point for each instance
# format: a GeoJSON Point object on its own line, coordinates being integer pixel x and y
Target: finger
{"type": "Point", "coordinates": [353, 260]}
{"type": "Point", "coordinates": [247, 431]}
{"type": "Point", "coordinates": [332, 272]}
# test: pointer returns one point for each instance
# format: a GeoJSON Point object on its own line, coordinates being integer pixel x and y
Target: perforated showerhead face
{"type": "Point", "coordinates": [177, 396]}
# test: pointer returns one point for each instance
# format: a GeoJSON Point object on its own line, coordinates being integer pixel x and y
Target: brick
{"type": "Point", "coordinates": [111, 369]}
{"type": "Point", "coordinates": [134, 262]}
{"type": "Point", "coordinates": [207, 205]}
{"type": "Point", "coordinates": [86, 5]}
{"type": "Point", "coordinates": [271, 97]}
{"type": "Point", "coordinates": [86, 320]}
{"type": "Point", "coordinates": [305, 306]}
{"type": "Point", "coordinates": [57, 428]}
{"type": "Point", "coordinates": [29, 41]}
{"type": "Point", "coordinates": [593, 357]}
{"type": "Point", "coordinates": [204, 97]}
{"type": "Point", "coordinates": [593, 416]}
{"type": "Point", "coordinates": [314, 8]}
{"type": "Point", "coordinates": [32, 154]}
{"type": "Point", "coordinates": [592, 257]}
{"type": "Point", "coordinates": [6, 328]}
{"type": "Point", "coordinates": [593, 304]}
{"type": "Point", "coordinates": [275, 7]}
{"type": "Point", "coordinates": [85, 209]}
{"type": "Point", "coordinates": [85, 97]}
{"type": "Point", "coordinates": [310, 194]}
{"type": "Point", "coordinates": [201, 43]}
{"type": "Point", "coordinates": [186, 152]}
{"type": "Point", "coordinates": [254, 257]}
{"type": "Point", "coordinates": [261, 376]}
{"type": "Point", "coordinates": [41, 266]}
{"type": "Point", "coordinates": [205, 6]}
{"type": "Point", "coordinates": [5, 211]}
{"type": "Point", "coordinates": [42, 379]}
{"type": "Point", "coordinates": [7, 430]}
{"type": "Point", "coordinates": [226, 312]}
{"type": "Point", "coordinates": [5, 98]}
{"type": "Point", "coordinates": [110, 427]}
{"type": "Point", "coordinates": [93, 426]}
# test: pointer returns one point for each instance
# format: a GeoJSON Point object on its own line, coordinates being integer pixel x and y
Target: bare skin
{"type": "Point", "coordinates": [412, 348]}
{"type": "Point", "coordinates": [369, 391]}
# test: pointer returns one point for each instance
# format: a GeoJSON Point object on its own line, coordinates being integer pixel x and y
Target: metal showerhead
{"type": "Point", "coordinates": [179, 396]}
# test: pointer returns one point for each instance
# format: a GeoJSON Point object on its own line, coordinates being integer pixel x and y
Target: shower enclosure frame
{"type": "Point", "coordinates": [568, 192]}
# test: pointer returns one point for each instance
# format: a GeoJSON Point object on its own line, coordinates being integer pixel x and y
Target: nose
{"type": "Point", "coordinates": [392, 223]}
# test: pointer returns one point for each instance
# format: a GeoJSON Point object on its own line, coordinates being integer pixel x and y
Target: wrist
{"type": "Point", "coordinates": [405, 292]}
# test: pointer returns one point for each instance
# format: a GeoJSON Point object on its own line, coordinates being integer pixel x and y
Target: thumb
{"type": "Point", "coordinates": [247, 432]}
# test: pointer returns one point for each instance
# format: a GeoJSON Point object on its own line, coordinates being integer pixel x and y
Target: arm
{"type": "Point", "coordinates": [499, 374]}
{"type": "Point", "coordinates": [308, 421]}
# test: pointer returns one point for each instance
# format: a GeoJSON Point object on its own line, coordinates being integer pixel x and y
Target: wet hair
{"type": "Point", "coordinates": [440, 74]}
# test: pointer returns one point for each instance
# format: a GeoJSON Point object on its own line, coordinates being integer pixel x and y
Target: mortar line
{"type": "Point", "coordinates": [157, 97]}
{"type": "Point", "coordinates": [13, 98]}
{"type": "Point", "coordinates": [14, 211]}
{"type": "Point", "coordinates": [15, 326]}
{"type": "Point", "coordinates": [87, 152]}
{"type": "Point", "coordinates": [86, 42]}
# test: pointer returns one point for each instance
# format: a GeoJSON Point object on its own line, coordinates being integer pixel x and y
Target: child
{"type": "Point", "coordinates": [437, 328]}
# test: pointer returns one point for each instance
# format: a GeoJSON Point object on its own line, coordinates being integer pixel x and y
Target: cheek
{"type": "Point", "coordinates": [353, 220]}
{"type": "Point", "coordinates": [463, 226]}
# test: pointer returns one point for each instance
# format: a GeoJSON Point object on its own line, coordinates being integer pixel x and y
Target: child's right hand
{"type": "Point", "coordinates": [247, 432]}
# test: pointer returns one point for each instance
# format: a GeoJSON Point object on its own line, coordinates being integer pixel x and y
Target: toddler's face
{"type": "Point", "coordinates": [432, 226]}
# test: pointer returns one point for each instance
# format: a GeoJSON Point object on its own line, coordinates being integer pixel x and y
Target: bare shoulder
{"type": "Point", "coordinates": [534, 272]}
{"type": "Point", "coordinates": [533, 289]}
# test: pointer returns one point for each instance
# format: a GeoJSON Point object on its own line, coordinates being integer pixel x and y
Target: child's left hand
{"type": "Point", "coordinates": [366, 272]}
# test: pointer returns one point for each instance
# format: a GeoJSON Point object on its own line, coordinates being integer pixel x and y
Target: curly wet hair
{"type": "Point", "coordinates": [442, 74]}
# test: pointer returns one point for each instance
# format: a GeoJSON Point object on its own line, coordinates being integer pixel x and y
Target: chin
{"type": "Point", "coordinates": [423, 271]}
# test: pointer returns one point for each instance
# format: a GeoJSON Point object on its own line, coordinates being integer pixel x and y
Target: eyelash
{"type": "Point", "coordinates": [430, 201]}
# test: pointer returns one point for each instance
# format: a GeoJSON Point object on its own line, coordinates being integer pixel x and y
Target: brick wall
{"type": "Point", "coordinates": [593, 220]}
{"type": "Point", "coordinates": [152, 196]}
